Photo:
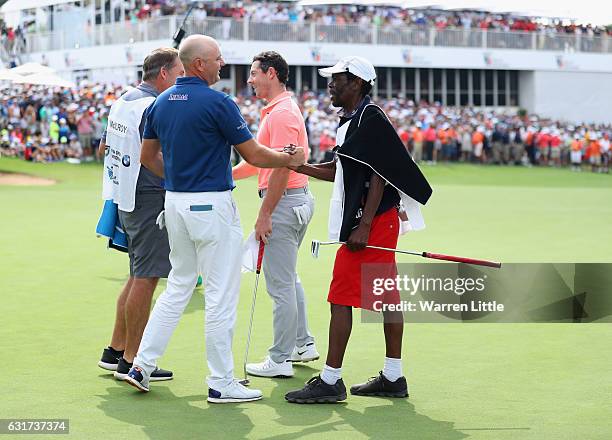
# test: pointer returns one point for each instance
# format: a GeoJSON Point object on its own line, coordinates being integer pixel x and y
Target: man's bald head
{"type": "Point", "coordinates": [201, 57]}
{"type": "Point", "coordinates": [196, 46]}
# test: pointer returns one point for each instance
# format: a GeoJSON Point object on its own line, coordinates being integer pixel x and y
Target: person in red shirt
{"type": "Point", "coordinates": [543, 142]}
{"type": "Point", "coordinates": [144, 12]}
{"type": "Point", "coordinates": [404, 135]}
{"type": "Point", "coordinates": [555, 148]}
{"type": "Point", "coordinates": [430, 138]}
{"type": "Point", "coordinates": [326, 144]}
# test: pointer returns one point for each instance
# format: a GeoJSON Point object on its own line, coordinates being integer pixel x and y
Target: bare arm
{"type": "Point", "coordinates": [359, 237]}
{"type": "Point", "coordinates": [101, 148]}
{"type": "Point", "coordinates": [323, 171]}
{"type": "Point", "coordinates": [276, 186]}
{"type": "Point", "coordinates": [243, 170]}
{"type": "Point", "coordinates": [151, 156]}
{"type": "Point", "coordinates": [263, 157]}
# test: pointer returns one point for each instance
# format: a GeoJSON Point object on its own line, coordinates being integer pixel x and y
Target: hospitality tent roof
{"type": "Point", "coordinates": [46, 79]}
{"type": "Point", "coordinates": [31, 68]}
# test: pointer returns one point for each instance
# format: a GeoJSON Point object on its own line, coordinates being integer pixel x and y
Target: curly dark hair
{"type": "Point", "coordinates": [273, 59]}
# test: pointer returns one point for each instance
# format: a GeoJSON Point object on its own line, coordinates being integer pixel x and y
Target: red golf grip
{"type": "Point", "coordinates": [260, 256]}
{"type": "Point", "coordinates": [462, 259]}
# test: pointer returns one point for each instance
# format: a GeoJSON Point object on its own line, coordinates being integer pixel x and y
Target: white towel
{"type": "Point", "coordinates": [250, 250]}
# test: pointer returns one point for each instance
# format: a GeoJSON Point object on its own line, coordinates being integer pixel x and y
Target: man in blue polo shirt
{"type": "Point", "coordinates": [187, 139]}
{"type": "Point", "coordinates": [139, 195]}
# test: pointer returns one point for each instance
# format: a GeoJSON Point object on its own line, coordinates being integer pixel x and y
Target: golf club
{"type": "Point", "coordinates": [260, 255]}
{"type": "Point", "coordinates": [316, 244]}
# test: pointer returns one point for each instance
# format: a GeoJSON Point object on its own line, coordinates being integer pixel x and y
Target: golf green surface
{"type": "Point", "coordinates": [59, 284]}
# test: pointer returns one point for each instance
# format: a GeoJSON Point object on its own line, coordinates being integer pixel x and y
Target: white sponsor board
{"type": "Point", "coordinates": [305, 54]}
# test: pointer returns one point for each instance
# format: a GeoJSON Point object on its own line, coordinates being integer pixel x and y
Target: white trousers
{"type": "Point", "coordinates": [205, 237]}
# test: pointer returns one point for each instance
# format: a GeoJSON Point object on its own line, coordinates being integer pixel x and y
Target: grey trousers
{"type": "Point", "coordinates": [290, 322]}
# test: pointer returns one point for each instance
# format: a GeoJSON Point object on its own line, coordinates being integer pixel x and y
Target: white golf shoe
{"type": "Point", "coordinates": [235, 392]}
{"type": "Point", "coordinates": [269, 368]}
{"type": "Point", "coordinates": [305, 353]}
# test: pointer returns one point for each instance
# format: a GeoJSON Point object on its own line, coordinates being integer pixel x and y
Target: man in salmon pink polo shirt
{"type": "Point", "coordinates": [286, 209]}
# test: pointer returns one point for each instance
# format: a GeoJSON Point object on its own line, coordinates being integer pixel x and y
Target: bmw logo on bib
{"type": "Point", "coordinates": [126, 160]}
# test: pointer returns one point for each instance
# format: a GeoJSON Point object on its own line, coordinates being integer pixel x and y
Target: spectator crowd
{"type": "Point", "coordinates": [44, 124]}
{"type": "Point", "coordinates": [389, 19]}
{"type": "Point", "coordinates": [49, 124]}
{"type": "Point", "coordinates": [434, 133]}
{"type": "Point", "coordinates": [262, 11]}
{"type": "Point", "coordinates": [270, 12]}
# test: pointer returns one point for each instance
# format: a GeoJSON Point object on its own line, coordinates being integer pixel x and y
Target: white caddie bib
{"type": "Point", "coordinates": [336, 204]}
{"type": "Point", "coordinates": [123, 145]}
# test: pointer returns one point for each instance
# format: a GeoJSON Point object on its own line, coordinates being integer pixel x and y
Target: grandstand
{"type": "Point", "coordinates": [562, 70]}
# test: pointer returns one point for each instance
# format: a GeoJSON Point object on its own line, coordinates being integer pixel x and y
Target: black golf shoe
{"type": "Point", "coordinates": [317, 391]}
{"type": "Point", "coordinates": [381, 386]}
{"type": "Point", "coordinates": [110, 359]}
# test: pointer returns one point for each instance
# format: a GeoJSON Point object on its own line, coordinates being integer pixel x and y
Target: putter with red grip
{"type": "Point", "coordinates": [260, 255]}
{"type": "Point", "coordinates": [316, 244]}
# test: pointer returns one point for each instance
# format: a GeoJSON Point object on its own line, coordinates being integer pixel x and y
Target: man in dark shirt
{"type": "Point", "coordinates": [370, 167]}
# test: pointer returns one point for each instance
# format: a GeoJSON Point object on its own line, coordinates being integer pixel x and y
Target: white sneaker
{"type": "Point", "coordinates": [269, 368]}
{"type": "Point", "coordinates": [234, 392]}
{"type": "Point", "coordinates": [305, 353]}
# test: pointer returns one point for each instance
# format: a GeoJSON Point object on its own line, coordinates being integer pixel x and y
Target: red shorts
{"type": "Point", "coordinates": [346, 285]}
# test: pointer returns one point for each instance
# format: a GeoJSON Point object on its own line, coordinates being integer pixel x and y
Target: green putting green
{"type": "Point", "coordinates": [59, 284]}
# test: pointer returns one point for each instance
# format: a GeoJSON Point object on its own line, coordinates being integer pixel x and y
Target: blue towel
{"type": "Point", "coordinates": [109, 226]}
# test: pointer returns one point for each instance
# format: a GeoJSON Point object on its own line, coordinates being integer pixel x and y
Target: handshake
{"type": "Point", "coordinates": [297, 156]}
